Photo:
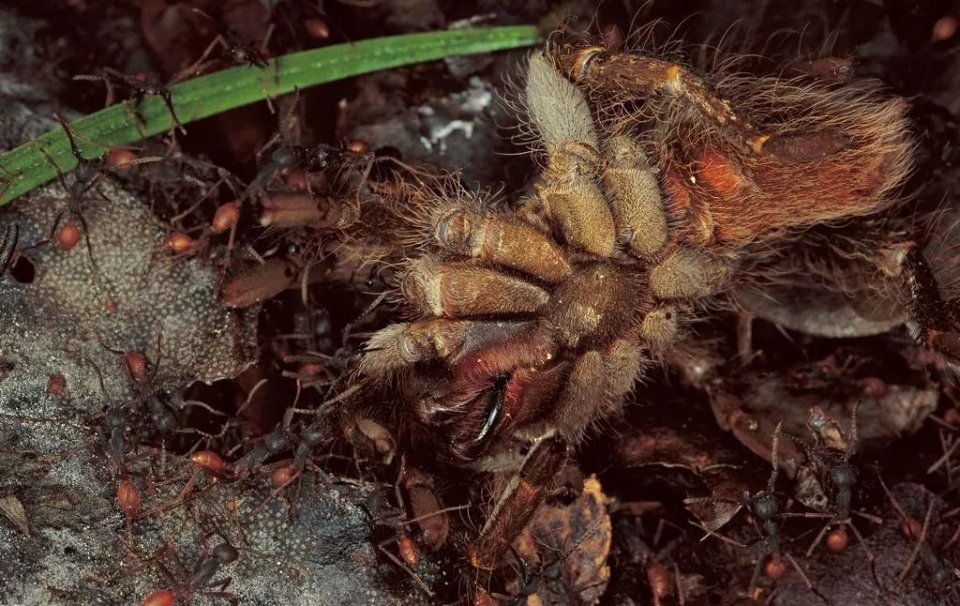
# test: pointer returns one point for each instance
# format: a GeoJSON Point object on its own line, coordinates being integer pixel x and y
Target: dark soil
{"type": "Point", "coordinates": [336, 533]}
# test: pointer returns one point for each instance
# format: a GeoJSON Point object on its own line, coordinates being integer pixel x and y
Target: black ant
{"type": "Point", "coordinates": [765, 509]}
{"type": "Point", "coordinates": [287, 471]}
{"type": "Point", "coordinates": [289, 155]}
{"type": "Point", "coordinates": [241, 51]}
{"type": "Point", "coordinates": [271, 444]}
{"type": "Point", "coordinates": [86, 176]}
{"type": "Point", "coordinates": [837, 474]}
{"type": "Point", "coordinates": [158, 402]}
{"type": "Point", "coordinates": [277, 442]}
{"type": "Point", "coordinates": [764, 506]}
{"type": "Point", "coordinates": [310, 438]}
{"type": "Point", "coordinates": [199, 581]}
{"type": "Point", "coordinates": [140, 85]}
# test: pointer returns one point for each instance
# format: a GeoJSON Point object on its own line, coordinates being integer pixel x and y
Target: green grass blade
{"type": "Point", "coordinates": [28, 166]}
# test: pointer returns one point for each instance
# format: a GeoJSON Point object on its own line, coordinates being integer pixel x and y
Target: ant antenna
{"type": "Point", "coordinates": [77, 152]}
{"type": "Point", "coordinates": [854, 433]}
{"type": "Point", "coordinates": [771, 483]}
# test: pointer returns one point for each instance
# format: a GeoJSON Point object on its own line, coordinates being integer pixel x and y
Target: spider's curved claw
{"type": "Point", "coordinates": [8, 247]}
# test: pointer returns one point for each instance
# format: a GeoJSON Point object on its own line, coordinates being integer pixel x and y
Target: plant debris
{"type": "Point", "coordinates": [663, 312]}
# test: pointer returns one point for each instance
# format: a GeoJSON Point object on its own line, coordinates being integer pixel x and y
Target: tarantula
{"type": "Point", "coordinates": [537, 320]}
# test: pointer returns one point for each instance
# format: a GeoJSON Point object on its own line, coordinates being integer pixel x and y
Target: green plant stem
{"type": "Point", "coordinates": [29, 165]}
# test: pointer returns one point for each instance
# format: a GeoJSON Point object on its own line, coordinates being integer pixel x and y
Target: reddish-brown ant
{"type": "Point", "coordinates": [295, 19]}
{"type": "Point", "coordinates": [209, 460]}
{"type": "Point", "coordinates": [179, 243]}
{"type": "Point", "coordinates": [226, 218]}
{"type": "Point", "coordinates": [201, 462]}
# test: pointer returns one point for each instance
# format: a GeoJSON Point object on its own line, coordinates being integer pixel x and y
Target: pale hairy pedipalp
{"type": "Point", "coordinates": [557, 109]}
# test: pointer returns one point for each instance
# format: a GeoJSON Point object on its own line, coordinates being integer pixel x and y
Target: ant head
{"type": "Point", "coordinates": [285, 157]}
{"type": "Point", "coordinates": [116, 417]}
{"type": "Point", "coordinates": [323, 156]}
{"type": "Point", "coordinates": [843, 475]}
{"type": "Point", "coordinates": [86, 171]}
{"type": "Point", "coordinates": [165, 423]}
{"type": "Point", "coordinates": [277, 442]}
{"type": "Point", "coordinates": [163, 419]}
{"type": "Point", "coordinates": [225, 553]}
{"type": "Point", "coordinates": [765, 506]}
{"type": "Point", "coordinates": [314, 434]}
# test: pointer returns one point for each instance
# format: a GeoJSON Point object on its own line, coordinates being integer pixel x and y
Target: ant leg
{"type": "Point", "coordinates": [260, 58]}
{"type": "Point", "coordinates": [106, 79]}
{"type": "Point", "coordinates": [816, 541]}
{"type": "Point", "coordinates": [86, 240]}
{"type": "Point", "coordinates": [863, 543]}
{"type": "Point", "coordinates": [197, 66]}
{"type": "Point", "coordinates": [806, 579]}
{"type": "Point", "coordinates": [382, 548]}
{"type": "Point", "coordinates": [66, 188]}
{"type": "Point", "coordinates": [752, 586]}
{"type": "Point", "coordinates": [168, 101]}
{"type": "Point", "coordinates": [131, 106]}
{"type": "Point", "coordinates": [5, 183]}
{"type": "Point", "coordinates": [270, 143]}
{"type": "Point", "coordinates": [264, 45]}
{"type": "Point", "coordinates": [921, 539]}
{"type": "Point", "coordinates": [179, 500]}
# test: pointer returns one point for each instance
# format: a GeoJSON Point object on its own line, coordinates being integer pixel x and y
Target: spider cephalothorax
{"type": "Point", "coordinates": [540, 318]}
